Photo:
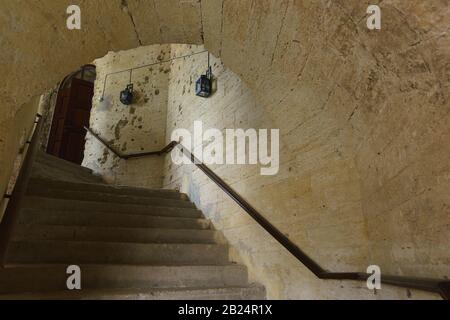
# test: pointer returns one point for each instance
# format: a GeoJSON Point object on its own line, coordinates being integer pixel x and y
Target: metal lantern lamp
{"type": "Point", "coordinates": [126, 96]}
{"type": "Point", "coordinates": [203, 86]}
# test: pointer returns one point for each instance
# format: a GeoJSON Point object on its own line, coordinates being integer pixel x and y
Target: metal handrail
{"type": "Point", "coordinates": [11, 216]}
{"type": "Point", "coordinates": [120, 155]}
{"type": "Point", "coordinates": [440, 286]}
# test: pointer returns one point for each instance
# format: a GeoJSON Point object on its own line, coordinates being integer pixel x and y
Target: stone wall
{"type": "Point", "coordinates": [374, 104]}
{"type": "Point", "coordinates": [315, 199]}
{"type": "Point", "coordinates": [139, 127]}
{"type": "Point", "coordinates": [16, 133]}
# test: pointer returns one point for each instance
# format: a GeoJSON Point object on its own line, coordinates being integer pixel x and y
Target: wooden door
{"type": "Point", "coordinates": [72, 112]}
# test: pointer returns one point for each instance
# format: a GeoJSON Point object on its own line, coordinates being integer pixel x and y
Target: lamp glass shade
{"type": "Point", "coordinates": [203, 87]}
{"type": "Point", "coordinates": [126, 96]}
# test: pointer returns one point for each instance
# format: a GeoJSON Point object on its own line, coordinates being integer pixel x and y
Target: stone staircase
{"type": "Point", "coordinates": [130, 243]}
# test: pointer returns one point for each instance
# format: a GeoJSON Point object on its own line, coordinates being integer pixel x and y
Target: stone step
{"type": "Point", "coordinates": [110, 198]}
{"type": "Point", "coordinates": [68, 167]}
{"type": "Point", "coordinates": [103, 234]}
{"type": "Point", "coordinates": [253, 292]}
{"type": "Point", "coordinates": [105, 219]}
{"type": "Point", "coordinates": [50, 278]}
{"type": "Point", "coordinates": [51, 204]}
{"type": "Point", "coordinates": [46, 184]}
{"type": "Point", "coordinates": [45, 171]}
{"type": "Point", "coordinates": [87, 252]}
{"type": "Point", "coordinates": [131, 243]}
{"type": "Point", "coordinates": [49, 160]}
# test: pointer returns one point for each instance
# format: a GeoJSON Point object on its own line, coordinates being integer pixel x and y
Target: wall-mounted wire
{"type": "Point", "coordinates": [145, 66]}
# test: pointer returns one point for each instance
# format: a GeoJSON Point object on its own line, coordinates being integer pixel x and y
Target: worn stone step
{"type": "Point", "coordinates": [252, 292]}
{"type": "Point", "coordinates": [111, 198]}
{"type": "Point", "coordinates": [45, 171]}
{"type": "Point", "coordinates": [50, 185]}
{"type": "Point", "coordinates": [61, 164]}
{"type": "Point", "coordinates": [43, 203]}
{"type": "Point", "coordinates": [88, 252]}
{"type": "Point", "coordinates": [105, 219]}
{"type": "Point", "coordinates": [116, 234]}
{"type": "Point", "coordinates": [49, 160]}
{"type": "Point", "coordinates": [48, 278]}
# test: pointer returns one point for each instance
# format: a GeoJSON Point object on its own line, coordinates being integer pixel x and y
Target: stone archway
{"type": "Point", "coordinates": [364, 114]}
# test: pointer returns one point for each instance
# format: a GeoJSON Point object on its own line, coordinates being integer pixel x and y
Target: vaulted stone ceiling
{"type": "Point", "coordinates": [39, 49]}
{"type": "Point", "coordinates": [253, 37]}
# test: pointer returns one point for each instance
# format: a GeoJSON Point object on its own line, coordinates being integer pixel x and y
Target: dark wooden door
{"type": "Point", "coordinates": [72, 112]}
